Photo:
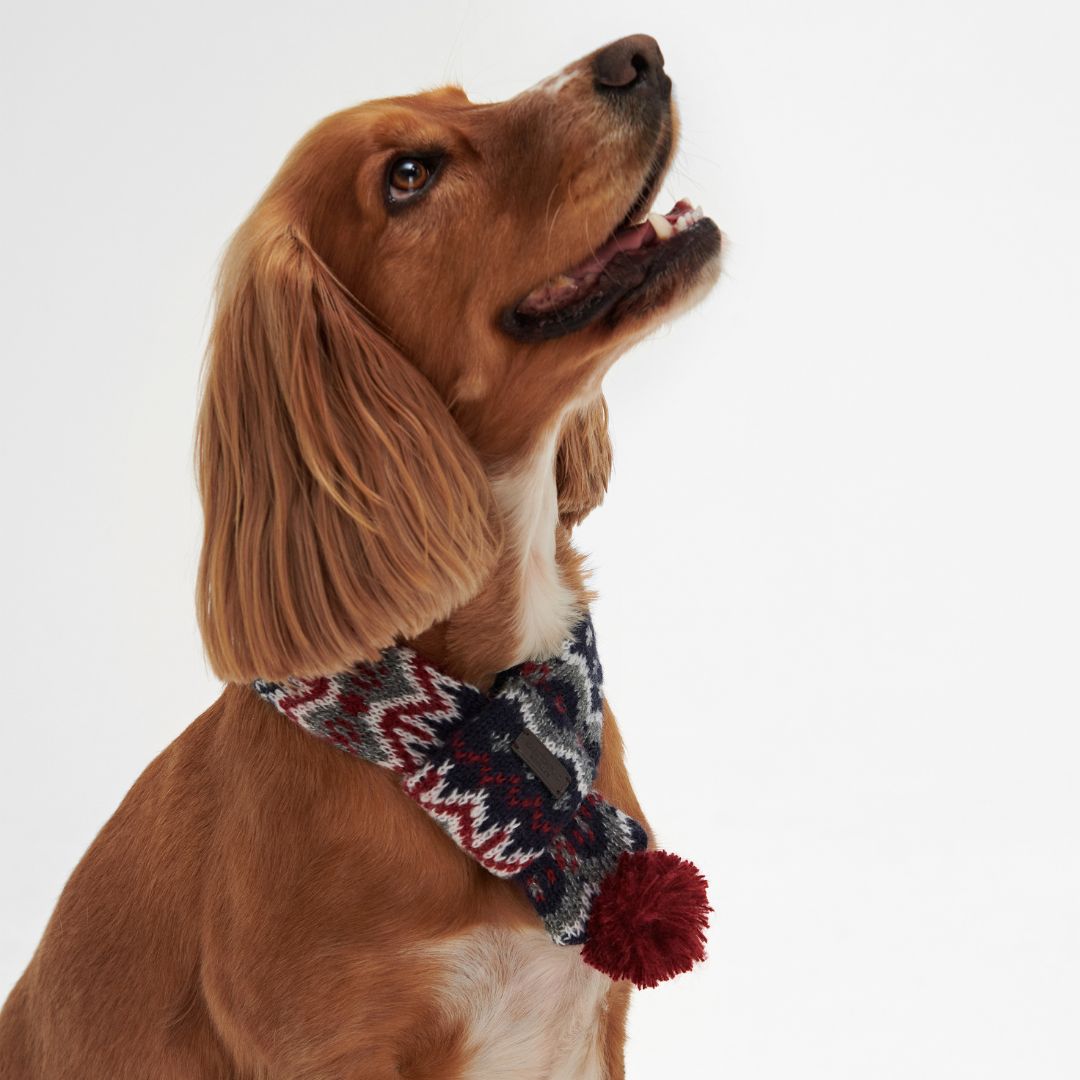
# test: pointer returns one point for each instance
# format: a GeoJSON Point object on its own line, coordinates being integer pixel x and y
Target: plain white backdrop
{"type": "Point", "coordinates": [838, 563]}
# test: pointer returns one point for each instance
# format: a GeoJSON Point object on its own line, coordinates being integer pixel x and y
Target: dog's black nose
{"type": "Point", "coordinates": [631, 62]}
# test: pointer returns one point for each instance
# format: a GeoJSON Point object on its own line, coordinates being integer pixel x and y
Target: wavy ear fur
{"type": "Point", "coordinates": [343, 507]}
{"type": "Point", "coordinates": [583, 465]}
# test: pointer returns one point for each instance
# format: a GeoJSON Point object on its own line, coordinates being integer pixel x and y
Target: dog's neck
{"type": "Point", "coordinates": [536, 592]}
{"type": "Point", "coordinates": [528, 501]}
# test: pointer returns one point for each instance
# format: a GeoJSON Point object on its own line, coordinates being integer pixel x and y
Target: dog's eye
{"type": "Point", "coordinates": [408, 176]}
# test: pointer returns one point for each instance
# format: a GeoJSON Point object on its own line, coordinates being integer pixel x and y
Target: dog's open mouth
{"type": "Point", "coordinates": [639, 266]}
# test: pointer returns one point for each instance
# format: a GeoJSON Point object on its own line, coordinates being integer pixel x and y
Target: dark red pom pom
{"type": "Point", "coordinates": [649, 919]}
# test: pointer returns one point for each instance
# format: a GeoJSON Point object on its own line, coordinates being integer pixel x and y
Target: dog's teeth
{"type": "Point", "coordinates": [563, 281]}
{"type": "Point", "coordinates": [690, 216]}
{"type": "Point", "coordinates": [661, 226]}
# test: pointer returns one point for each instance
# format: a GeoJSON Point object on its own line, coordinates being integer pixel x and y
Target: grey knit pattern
{"type": "Point", "coordinates": [452, 745]}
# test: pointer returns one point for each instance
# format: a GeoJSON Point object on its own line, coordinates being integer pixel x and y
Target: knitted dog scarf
{"type": "Point", "coordinates": [508, 775]}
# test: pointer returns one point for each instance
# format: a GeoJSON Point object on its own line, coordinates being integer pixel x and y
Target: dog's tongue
{"type": "Point", "coordinates": [631, 237]}
{"type": "Point", "coordinates": [572, 283]}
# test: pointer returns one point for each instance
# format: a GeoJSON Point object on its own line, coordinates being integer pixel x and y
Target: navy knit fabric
{"type": "Point", "coordinates": [453, 747]}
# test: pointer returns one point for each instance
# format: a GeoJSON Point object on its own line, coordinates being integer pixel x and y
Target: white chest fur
{"type": "Point", "coordinates": [532, 1009]}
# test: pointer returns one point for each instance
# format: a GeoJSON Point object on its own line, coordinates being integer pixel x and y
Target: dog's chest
{"type": "Point", "coordinates": [531, 1009]}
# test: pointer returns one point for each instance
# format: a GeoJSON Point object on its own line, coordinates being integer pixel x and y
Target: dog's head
{"type": "Point", "coordinates": [427, 287]}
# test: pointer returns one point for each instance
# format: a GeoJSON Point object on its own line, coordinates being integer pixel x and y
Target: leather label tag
{"type": "Point", "coordinates": [550, 771]}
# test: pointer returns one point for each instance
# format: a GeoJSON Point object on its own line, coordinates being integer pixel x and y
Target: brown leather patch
{"type": "Point", "coordinates": [549, 770]}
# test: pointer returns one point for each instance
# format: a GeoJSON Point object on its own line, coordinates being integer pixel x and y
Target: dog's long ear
{"type": "Point", "coordinates": [583, 465]}
{"type": "Point", "coordinates": [343, 507]}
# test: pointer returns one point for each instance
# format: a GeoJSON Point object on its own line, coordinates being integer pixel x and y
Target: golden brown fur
{"type": "Point", "coordinates": [261, 905]}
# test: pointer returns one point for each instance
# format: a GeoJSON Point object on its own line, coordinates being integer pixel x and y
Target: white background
{"type": "Point", "coordinates": [838, 562]}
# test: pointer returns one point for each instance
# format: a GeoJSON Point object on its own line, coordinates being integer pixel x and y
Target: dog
{"type": "Point", "coordinates": [402, 422]}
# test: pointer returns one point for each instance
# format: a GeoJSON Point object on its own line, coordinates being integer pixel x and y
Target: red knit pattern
{"type": "Point", "coordinates": [648, 922]}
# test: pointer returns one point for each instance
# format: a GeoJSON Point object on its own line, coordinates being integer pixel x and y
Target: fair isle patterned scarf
{"type": "Point", "coordinates": [508, 775]}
